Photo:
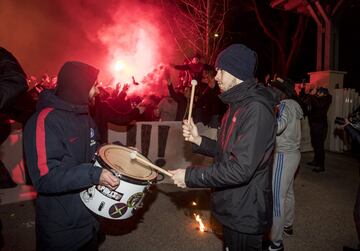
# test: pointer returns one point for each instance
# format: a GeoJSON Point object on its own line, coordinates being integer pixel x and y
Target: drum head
{"type": "Point", "coordinates": [118, 158]}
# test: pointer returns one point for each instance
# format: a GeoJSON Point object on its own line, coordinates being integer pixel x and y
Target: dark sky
{"type": "Point", "coordinates": [243, 27]}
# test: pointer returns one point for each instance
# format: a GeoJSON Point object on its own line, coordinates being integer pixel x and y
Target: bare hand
{"type": "Point", "coordinates": [141, 108]}
{"type": "Point", "coordinates": [179, 177]}
{"type": "Point", "coordinates": [190, 132]}
{"type": "Point", "coordinates": [108, 179]}
{"type": "Point", "coordinates": [125, 88]}
{"type": "Point", "coordinates": [313, 91]}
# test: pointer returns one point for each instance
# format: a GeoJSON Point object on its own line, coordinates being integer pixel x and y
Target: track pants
{"type": "Point", "coordinates": [284, 169]}
{"type": "Point", "coordinates": [236, 241]}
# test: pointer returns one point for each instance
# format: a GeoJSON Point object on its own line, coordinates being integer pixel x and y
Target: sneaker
{"type": "Point", "coordinates": [276, 247]}
{"type": "Point", "coordinates": [288, 231]}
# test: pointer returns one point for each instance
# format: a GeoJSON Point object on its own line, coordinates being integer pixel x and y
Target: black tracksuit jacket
{"type": "Point", "coordinates": [60, 142]}
{"type": "Point", "coordinates": [242, 170]}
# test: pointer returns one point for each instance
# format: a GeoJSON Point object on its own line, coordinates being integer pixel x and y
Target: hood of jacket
{"type": "Point", "coordinates": [248, 91]}
{"type": "Point", "coordinates": [48, 98]}
{"type": "Point", "coordinates": [75, 80]}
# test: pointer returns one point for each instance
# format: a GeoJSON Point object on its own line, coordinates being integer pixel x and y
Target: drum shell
{"type": "Point", "coordinates": [130, 196]}
{"type": "Point", "coordinates": [120, 203]}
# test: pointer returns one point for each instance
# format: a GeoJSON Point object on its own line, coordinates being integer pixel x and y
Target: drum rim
{"type": "Point", "coordinates": [124, 176]}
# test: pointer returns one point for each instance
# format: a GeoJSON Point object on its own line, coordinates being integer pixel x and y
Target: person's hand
{"type": "Point", "coordinates": [141, 108]}
{"type": "Point", "coordinates": [179, 177]}
{"type": "Point", "coordinates": [313, 91]}
{"type": "Point", "coordinates": [125, 88]}
{"type": "Point", "coordinates": [108, 179]}
{"type": "Point", "coordinates": [190, 132]}
{"type": "Point", "coordinates": [346, 123]}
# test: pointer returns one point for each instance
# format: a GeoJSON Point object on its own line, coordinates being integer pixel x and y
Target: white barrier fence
{"type": "Point", "coordinates": [161, 142]}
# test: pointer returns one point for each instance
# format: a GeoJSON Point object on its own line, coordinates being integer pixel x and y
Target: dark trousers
{"type": "Point", "coordinates": [357, 213]}
{"type": "Point", "coordinates": [318, 132]}
{"type": "Point", "coordinates": [236, 241]}
{"type": "Point", "coordinates": [91, 245]}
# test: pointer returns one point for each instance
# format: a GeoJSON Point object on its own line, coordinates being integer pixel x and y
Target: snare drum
{"type": "Point", "coordinates": [135, 180]}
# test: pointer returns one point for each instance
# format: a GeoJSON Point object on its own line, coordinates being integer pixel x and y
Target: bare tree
{"type": "Point", "coordinates": [197, 25]}
{"type": "Point", "coordinates": [285, 34]}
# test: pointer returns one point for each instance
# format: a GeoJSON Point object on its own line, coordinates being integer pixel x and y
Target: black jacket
{"type": "Point", "coordinates": [242, 169]}
{"type": "Point", "coordinates": [319, 107]}
{"type": "Point", "coordinates": [12, 79]}
{"type": "Point", "coordinates": [209, 108]}
{"type": "Point", "coordinates": [181, 100]}
{"type": "Point", "coordinates": [60, 141]}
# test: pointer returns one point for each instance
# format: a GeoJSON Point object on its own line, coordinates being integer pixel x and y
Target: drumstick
{"type": "Point", "coordinates": [193, 84]}
{"type": "Point", "coordinates": [134, 156]}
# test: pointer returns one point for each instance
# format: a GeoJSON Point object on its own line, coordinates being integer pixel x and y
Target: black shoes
{"type": "Point", "coordinates": [318, 169]}
{"type": "Point", "coordinates": [312, 163]}
{"type": "Point", "coordinates": [288, 231]}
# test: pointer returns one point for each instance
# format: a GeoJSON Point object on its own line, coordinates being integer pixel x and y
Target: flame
{"type": "Point", "coordinates": [201, 224]}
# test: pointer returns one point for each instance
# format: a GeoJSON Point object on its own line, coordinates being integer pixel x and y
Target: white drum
{"type": "Point", "coordinates": [135, 180]}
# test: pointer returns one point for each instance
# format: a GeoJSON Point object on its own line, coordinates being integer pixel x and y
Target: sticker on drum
{"type": "Point", "coordinates": [89, 194]}
{"type": "Point", "coordinates": [109, 193]}
{"type": "Point", "coordinates": [102, 204]}
{"type": "Point", "coordinates": [117, 210]}
{"type": "Point", "coordinates": [135, 199]}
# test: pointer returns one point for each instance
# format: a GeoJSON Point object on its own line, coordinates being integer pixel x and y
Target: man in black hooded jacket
{"type": "Point", "coordinates": [243, 155]}
{"type": "Point", "coordinates": [60, 142]}
{"type": "Point", "coordinates": [12, 84]}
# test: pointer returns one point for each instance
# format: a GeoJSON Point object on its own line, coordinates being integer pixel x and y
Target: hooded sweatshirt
{"type": "Point", "coordinates": [288, 136]}
{"type": "Point", "coordinates": [60, 141]}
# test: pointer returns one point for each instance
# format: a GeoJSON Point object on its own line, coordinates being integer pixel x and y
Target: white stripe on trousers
{"type": "Point", "coordinates": [285, 166]}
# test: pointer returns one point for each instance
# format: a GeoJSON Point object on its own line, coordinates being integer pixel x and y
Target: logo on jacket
{"type": "Point", "coordinates": [92, 133]}
{"type": "Point", "coordinates": [73, 139]}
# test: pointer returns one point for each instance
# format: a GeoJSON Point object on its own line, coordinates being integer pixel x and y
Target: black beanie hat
{"type": "Point", "coordinates": [75, 80]}
{"type": "Point", "coordinates": [284, 85]}
{"type": "Point", "coordinates": [238, 60]}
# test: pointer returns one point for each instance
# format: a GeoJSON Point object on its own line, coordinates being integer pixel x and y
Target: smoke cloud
{"type": "Point", "coordinates": [121, 38]}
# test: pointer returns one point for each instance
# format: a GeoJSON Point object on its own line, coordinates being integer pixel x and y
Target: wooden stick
{"type": "Point", "coordinates": [193, 84]}
{"type": "Point", "coordinates": [134, 156]}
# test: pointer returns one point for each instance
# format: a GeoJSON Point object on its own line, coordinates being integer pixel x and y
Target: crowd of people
{"type": "Point", "coordinates": [255, 156]}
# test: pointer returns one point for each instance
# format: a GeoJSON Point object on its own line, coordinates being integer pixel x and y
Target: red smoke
{"type": "Point", "coordinates": [121, 38]}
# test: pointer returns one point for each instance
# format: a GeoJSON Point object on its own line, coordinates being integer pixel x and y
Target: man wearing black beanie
{"type": "Point", "coordinates": [243, 154]}
{"type": "Point", "coordinates": [60, 142]}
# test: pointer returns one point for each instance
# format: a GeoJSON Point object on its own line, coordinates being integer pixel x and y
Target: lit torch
{"type": "Point", "coordinates": [201, 224]}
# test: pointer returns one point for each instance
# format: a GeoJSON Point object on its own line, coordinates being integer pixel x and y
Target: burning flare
{"type": "Point", "coordinates": [201, 224]}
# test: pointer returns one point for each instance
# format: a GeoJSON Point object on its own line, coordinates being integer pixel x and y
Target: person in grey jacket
{"type": "Point", "coordinates": [286, 161]}
{"type": "Point", "coordinates": [243, 155]}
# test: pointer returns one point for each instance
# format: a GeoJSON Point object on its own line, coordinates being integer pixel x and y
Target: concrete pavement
{"type": "Point", "coordinates": [324, 206]}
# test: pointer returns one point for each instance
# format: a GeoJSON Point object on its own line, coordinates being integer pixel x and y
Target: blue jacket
{"type": "Point", "coordinates": [60, 141]}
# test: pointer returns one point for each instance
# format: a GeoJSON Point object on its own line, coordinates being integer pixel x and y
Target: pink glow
{"type": "Point", "coordinates": [136, 45]}
{"type": "Point", "coordinates": [120, 38]}
{"type": "Point", "coordinates": [18, 172]}
{"type": "Point", "coordinates": [136, 59]}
